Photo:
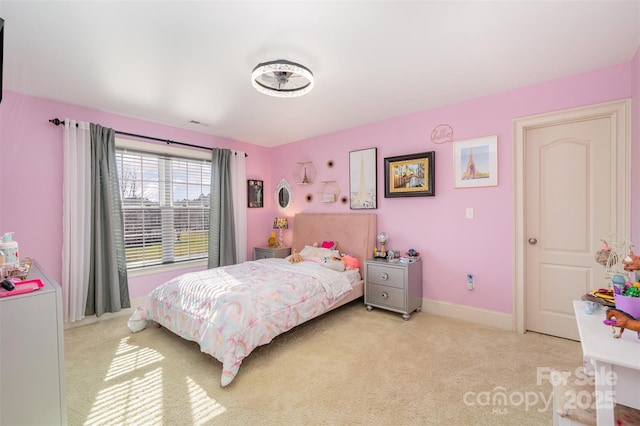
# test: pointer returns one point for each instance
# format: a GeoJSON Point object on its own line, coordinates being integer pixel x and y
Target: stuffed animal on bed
{"type": "Point", "coordinates": [333, 263]}
{"type": "Point", "coordinates": [350, 262]}
{"type": "Point", "coordinates": [331, 245]}
{"type": "Point", "coordinates": [312, 254]}
{"type": "Point", "coordinates": [295, 258]}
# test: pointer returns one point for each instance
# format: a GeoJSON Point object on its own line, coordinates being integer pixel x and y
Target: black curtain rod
{"type": "Point", "coordinates": [58, 122]}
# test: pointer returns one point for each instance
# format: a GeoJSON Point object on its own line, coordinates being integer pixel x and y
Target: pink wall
{"type": "Point", "coordinates": [31, 176]}
{"type": "Point", "coordinates": [635, 149]}
{"type": "Point", "coordinates": [451, 245]}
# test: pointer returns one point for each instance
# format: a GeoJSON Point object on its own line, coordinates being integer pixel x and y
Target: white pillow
{"type": "Point", "coordinates": [318, 252]}
{"type": "Point", "coordinates": [334, 264]}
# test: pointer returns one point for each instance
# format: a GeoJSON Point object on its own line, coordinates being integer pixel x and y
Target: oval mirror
{"type": "Point", "coordinates": [284, 195]}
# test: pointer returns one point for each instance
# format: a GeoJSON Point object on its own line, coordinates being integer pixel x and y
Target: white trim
{"type": "Point", "coordinates": [108, 315]}
{"type": "Point", "coordinates": [169, 267]}
{"type": "Point", "coordinates": [468, 313]}
{"type": "Point", "coordinates": [620, 112]}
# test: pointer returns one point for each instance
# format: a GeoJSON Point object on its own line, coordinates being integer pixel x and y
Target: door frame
{"type": "Point", "coordinates": [619, 112]}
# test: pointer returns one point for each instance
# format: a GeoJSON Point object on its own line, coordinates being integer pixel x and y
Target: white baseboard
{"type": "Point", "coordinates": [108, 315]}
{"type": "Point", "coordinates": [469, 313]}
{"type": "Point", "coordinates": [435, 307]}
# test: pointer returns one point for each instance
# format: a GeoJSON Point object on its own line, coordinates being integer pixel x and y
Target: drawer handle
{"type": "Point", "coordinates": [384, 276]}
{"type": "Point", "coordinates": [385, 295]}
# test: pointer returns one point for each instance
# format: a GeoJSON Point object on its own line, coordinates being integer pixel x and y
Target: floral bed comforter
{"type": "Point", "coordinates": [231, 310]}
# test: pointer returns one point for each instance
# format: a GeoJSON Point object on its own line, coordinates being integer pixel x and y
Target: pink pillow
{"type": "Point", "coordinates": [331, 245]}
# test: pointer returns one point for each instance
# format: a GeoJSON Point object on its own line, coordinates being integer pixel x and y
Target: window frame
{"type": "Point", "coordinates": [163, 149]}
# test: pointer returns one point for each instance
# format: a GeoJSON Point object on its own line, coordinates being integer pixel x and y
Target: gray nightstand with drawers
{"type": "Point", "coordinates": [393, 286]}
{"type": "Point", "coordinates": [267, 252]}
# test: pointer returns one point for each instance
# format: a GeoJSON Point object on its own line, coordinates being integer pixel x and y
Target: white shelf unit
{"type": "Point", "coordinates": [32, 389]}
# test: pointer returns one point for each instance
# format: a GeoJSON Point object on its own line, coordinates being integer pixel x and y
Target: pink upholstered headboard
{"type": "Point", "coordinates": [354, 232]}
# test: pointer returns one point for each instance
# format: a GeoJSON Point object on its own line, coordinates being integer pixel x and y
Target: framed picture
{"type": "Point", "coordinates": [410, 175]}
{"type": "Point", "coordinates": [255, 193]}
{"type": "Point", "coordinates": [363, 179]}
{"type": "Point", "coordinates": [475, 162]}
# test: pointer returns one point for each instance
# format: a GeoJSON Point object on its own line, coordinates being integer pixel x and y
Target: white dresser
{"type": "Point", "coordinates": [32, 376]}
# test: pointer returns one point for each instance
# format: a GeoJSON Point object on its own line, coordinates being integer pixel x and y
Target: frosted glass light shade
{"type": "Point", "coordinates": [282, 79]}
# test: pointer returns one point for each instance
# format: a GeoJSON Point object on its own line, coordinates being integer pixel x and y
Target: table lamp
{"type": "Point", "coordinates": [280, 223]}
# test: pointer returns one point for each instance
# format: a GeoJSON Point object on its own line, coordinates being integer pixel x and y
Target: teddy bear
{"type": "Point", "coordinates": [295, 258]}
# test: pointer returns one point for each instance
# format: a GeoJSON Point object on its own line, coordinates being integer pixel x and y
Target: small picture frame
{"type": "Point", "coordinates": [363, 179]}
{"type": "Point", "coordinates": [255, 193]}
{"type": "Point", "coordinates": [410, 175]}
{"type": "Point", "coordinates": [475, 162]}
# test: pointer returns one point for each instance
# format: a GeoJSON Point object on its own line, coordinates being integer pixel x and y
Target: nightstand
{"type": "Point", "coordinates": [393, 286]}
{"type": "Point", "coordinates": [267, 252]}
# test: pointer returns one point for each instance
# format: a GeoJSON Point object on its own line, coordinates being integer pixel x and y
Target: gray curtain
{"type": "Point", "coordinates": [108, 286]}
{"type": "Point", "coordinates": [222, 239]}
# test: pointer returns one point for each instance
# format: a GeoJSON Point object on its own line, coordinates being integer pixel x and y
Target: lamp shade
{"type": "Point", "coordinates": [280, 223]}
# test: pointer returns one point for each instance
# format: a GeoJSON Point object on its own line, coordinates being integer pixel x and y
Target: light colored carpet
{"type": "Point", "coordinates": [349, 367]}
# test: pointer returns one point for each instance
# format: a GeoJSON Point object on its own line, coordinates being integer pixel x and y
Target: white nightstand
{"type": "Point", "coordinates": [267, 252]}
{"type": "Point", "coordinates": [393, 286]}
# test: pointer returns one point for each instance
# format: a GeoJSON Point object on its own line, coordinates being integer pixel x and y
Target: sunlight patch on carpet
{"type": "Point", "coordinates": [129, 358]}
{"type": "Point", "coordinates": [133, 402]}
{"type": "Point", "coordinates": [135, 394]}
{"type": "Point", "coordinates": [203, 408]}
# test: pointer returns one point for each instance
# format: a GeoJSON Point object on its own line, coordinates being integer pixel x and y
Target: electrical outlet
{"type": "Point", "coordinates": [470, 281]}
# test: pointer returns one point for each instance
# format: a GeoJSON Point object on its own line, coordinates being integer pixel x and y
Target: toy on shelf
{"type": "Point", "coordinates": [615, 249]}
{"type": "Point", "coordinates": [19, 271]}
{"type": "Point", "coordinates": [272, 240]}
{"type": "Point", "coordinates": [413, 254]}
{"type": "Point", "coordinates": [631, 290]}
{"type": "Point", "coordinates": [382, 239]}
{"type": "Point", "coordinates": [622, 320]}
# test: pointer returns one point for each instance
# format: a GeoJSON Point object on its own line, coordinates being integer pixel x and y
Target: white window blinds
{"type": "Point", "coordinates": [165, 202]}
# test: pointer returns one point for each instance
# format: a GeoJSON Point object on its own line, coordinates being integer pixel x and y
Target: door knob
{"type": "Point", "coordinates": [532, 241]}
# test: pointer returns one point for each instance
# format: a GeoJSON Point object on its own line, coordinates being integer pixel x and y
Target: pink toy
{"type": "Point", "coordinates": [351, 262]}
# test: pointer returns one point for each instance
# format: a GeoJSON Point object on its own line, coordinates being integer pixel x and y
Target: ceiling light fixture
{"type": "Point", "coordinates": [283, 79]}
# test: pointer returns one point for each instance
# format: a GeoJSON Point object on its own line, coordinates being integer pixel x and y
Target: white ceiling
{"type": "Point", "coordinates": [176, 61]}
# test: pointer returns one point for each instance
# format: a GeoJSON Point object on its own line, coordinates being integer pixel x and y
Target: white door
{"type": "Point", "coordinates": [573, 188]}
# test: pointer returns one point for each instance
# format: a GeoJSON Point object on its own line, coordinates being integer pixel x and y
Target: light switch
{"type": "Point", "coordinates": [469, 212]}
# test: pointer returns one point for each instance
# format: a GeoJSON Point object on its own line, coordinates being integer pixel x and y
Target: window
{"type": "Point", "coordinates": [165, 202]}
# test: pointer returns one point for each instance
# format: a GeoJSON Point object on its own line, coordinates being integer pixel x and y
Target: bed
{"type": "Point", "coordinates": [231, 310]}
